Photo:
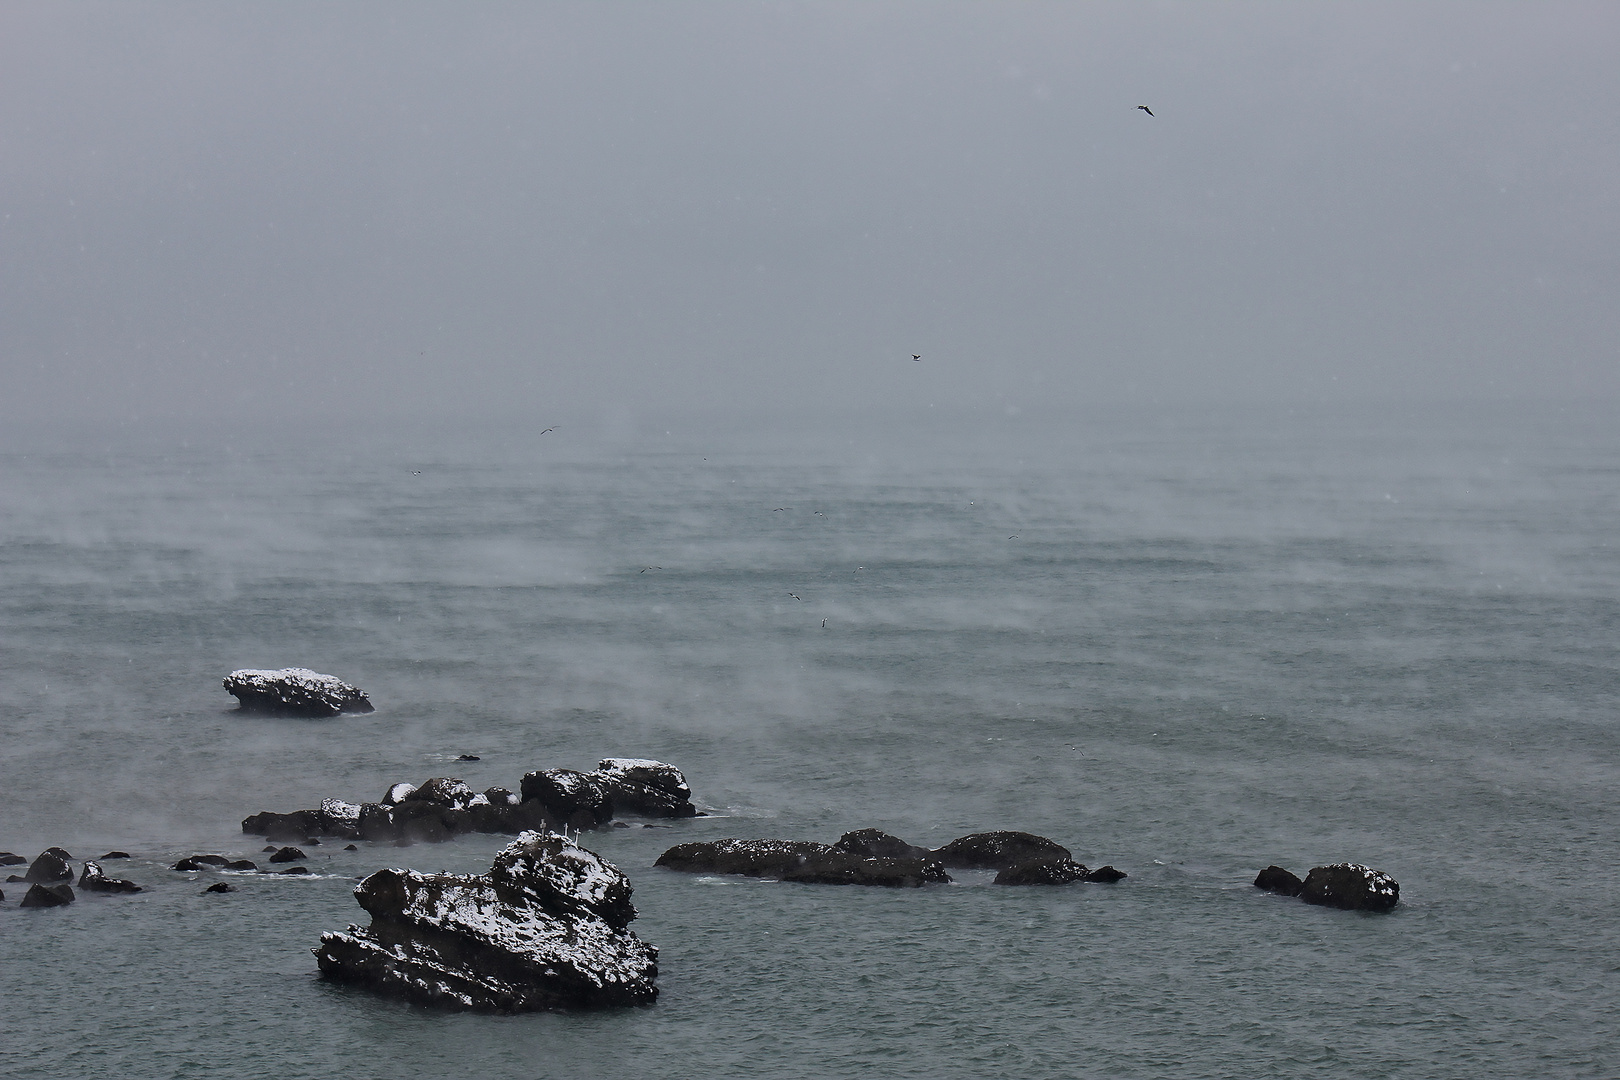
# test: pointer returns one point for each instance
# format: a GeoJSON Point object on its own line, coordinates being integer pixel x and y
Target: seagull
{"type": "Point", "coordinates": [1145, 109]}
{"type": "Point", "coordinates": [824, 624]}
{"type": "Point", "coordinates": [548, 429]}
{"type": "Point", "coordinates": [915, 356]}
{"type": "Point", "coordinates": [416, 472]}
{"type": "Point", "coordinates": [820, 514]}
{"type": "Point", "coordinates": [779, 509]}
{"type": "Point", "coordinates": [796, 596]}
{"type": "Point", "coordinates": [649, 568]}
{"type": "Point", "coordinates": [1014, 536]}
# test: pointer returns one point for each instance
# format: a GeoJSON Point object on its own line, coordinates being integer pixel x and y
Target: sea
{"type": "Point", "coordinates": [1188, 641]}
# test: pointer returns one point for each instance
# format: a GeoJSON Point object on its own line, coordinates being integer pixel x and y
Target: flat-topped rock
{"type": "Point", "coordinates": [295, 692]}
{"type": "Point", "coordinates": [874, 843]}
{"type": "Point", "coordinates": [546, 928]}
{"type": "Point", "coordinates": [1350, 886]}
{"type": "Point", "coordinates": [998, 851]}
{"type": "Point", "coordinates": [645, 787]}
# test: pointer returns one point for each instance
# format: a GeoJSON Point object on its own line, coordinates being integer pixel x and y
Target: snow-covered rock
{"type": "Point", "coordinates": [646, 787]}
{"type": "Point", "coordinates": [96, 881]}
{"type": "Point", "coordinates": [295, 692]}
{"type": "Point", "coordinates": [546, 928]}
{"type": "Point", "coordinates": [803, 861]}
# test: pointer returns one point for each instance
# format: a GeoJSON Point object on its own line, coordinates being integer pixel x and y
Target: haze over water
{"type": "Point", "coordinates": [1188, 643]}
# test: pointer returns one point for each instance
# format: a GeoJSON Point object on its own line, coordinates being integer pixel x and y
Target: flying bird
{"type": "Point", "coordinates": [779, 509]}
{"type": "Point", "coordinates": [548, 429]}
{"type": "Point", "coordinates": [915, 356]}
{"type": "Point", "coordinates": [1145, 109]}
{"type": "Point", "coordinates": [824, 624]}
{"type": "Point", "coordinates": [796, 596]}
{"type": "Point", "coordinates": [649, 568]}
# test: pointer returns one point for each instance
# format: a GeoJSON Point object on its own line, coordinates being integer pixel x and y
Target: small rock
{"type": "Point", "coordinates": [288, 854]}
{"type": "Point", "coordinates": [15, 877]}
{"type": "Point", "coordinates": [999, 851]}
{"type": "Point", "coordinates": [469, 757]}
{"type": "Point", "coordinates": [115, 855]}
{"type": "Point", "coordinates": [197, 862]}
{"type": "Point", "coordinates": [295, 692]}
{"type": "Point", "coordinates": [11, 858]}
{"type": "Point", "coordinates": [1048, 872]}
{"type": "Point", "coordinates": [350, 847]}
{"type": "Point", "coordinates": [94, 880]}
{"type": "Point", "coordinates": [50, 866]}
{"type": "Point", "coordinates": [1106, 875]}
{"type": "Point", "coordinates": [242, 864]}
{"type": "Point", "coordinates": [296, 870]}
{"type": "Point", "coordinates": [220, 886]}
{"type": "Point", "coordinates": [269, 848]}
{"type": "Point", "coordinates": [874, 843]}
{"type": "Point", "coordinates": [621, 824]}
{"type": "Point", "coordinates": [1350, 886]}
{"type": "Point", "coordinates": [48, 895]}
{"type": "Point", "coordinates": [1274, 879]}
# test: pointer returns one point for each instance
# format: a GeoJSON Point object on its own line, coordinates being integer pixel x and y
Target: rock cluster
{"type": "Point", "coordinates": [50, 878]}
{"type": "Point", "coordinates": [870, 857]}
{"type": "Point", "coordinates": [546, 928]}
{"type": "Point", "coordinates": [444, 807]}
{"type": "Point", "coordinates": [295, 692]}
{"type": "Point", "coordinates": [1350, 886]}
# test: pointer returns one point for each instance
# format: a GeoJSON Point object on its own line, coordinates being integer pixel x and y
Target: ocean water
{"type": "Point", "coordinates": [1188, 643]}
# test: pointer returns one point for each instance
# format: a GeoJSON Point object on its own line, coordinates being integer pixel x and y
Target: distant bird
{"type": "Point", "coordinates": [915, 356]}
{"type": "Point", "coordinates": [548, 429]}
{"type": "Point", "coordinates": [416, 472]}
{"type": "Point", "coordinates": [779, 509]}
{"type": "Point", "coordinates": [820, 514]}
{"type": "Point", "coordinates": [649, 568]}
{"type": "Point", "coordinates": [796, 596]}
{"type": "Point", "coordinates": [1145, 109]}
{"type": "Point", "coordinates": [824, 624]}
{"type": "Point", "coordinates": [1014, 536]}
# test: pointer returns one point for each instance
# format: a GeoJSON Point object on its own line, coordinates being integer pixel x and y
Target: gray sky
{"type": "Point", "coordinates": [214, 208]}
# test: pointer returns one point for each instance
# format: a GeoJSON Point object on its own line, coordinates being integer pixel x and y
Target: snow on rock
{"type": "Point", "coordinates": [546, 928]}
{"type": "Point", "coordinates": [1350, 886]}
{"type": "Point", "coordinates": [802, 861]}
{"type": "Point", "coordinates": [296, 692]}
{"type": "Point", "coordinates": [646, 787]}
{"type": "Point", "coordinates": [96, 881]}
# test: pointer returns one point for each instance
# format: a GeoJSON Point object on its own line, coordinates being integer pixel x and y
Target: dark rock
{"type": "Point", "coordinates": [499, 796]}
{"type": "Point", "coordinates": [842, 868]}
{"type": "Point", "coordinates": [115, 855]}
{"type": "Point", "coordinates": [60, 853]}
{"type": "Point", "coordinates": [397, 793]}
{"type": "Point", "coordinates": [15, 877]}
{"type": "Point", "coordinates": [242, 864]}
{"type": "Point", "coordinates": [874, 843]}
{"type": "Point", "coordinates": [94, 880]}
{"type": "Point", "coordinates": [293, 826]}
{"type": "Point", "coordinates": [2, 894]}
{"type": "Point", "coordinates": [295, 692]}
{"type": "Point", "coordinates": [197, 862]}
{"type": "Point", "coordinates": [445, 791]}
{"type": "Point", "coordinates": [50, 866]}
{"type": "Point", "coordinates": [350, 847]}
{"type": "Point", "coordinates": [1350, 886]}
{"type": "Point", "coordinates": [578, 800]}
{"type": "Point", "coordinates": [48, 895]}
{"type": "Point", "coordinates": [288, 854]}
{"type": "Point", "coordinates": [294, 870]}
{"type": "Point", "coordinates": [220, 886]}
{"type": "Point", "coordinates": [1106, 875]}
{"type": "Point", "coordinates": [11, 858]}
{"type": "Point", "coordinates": [544, 929]}
{"type": "Point", "coordinates": [750, 858]}
{"type": "Point", "coordinates": [645, 787]}
{"type": "Point", "coordinates": [469, 757]}
{"type": "Point", "coordinates": [1275, 879]}
{"type": "Point", "coordinates": [268, 848]}
{"type": "Point", "coordinates": [621, 824]}
{"type": "Point", "coordinates": [1046, 872]}
{"type": "Point", "coordinates": [998, 851]}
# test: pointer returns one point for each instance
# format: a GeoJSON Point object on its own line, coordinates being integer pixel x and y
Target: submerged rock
{"type": "Point", "coordinates": [198, 862]}
{"type": "Point", "coordinates": [220, 886]}
{"type": "Point", "coordinates": [94, 880]}
{"type": "Point", "coordinates": [11, 858]}
{"type": "Point", "coordinates": [1350, 886]}
{"type": "Point", "coordinates": [803, 861]}
{"type": "Point", "coordinates": [1274, 879]}
{"type": "Point", "coordinates": [48, 895]}
{"type": "Point", "coordinates": [546, 928]}
{"type": "Point", "coordinates": [1106, 875]}
{"type": "Point", "coordinates": [295, 692]}
{"type": "Point", "coordinates": [999, 851]}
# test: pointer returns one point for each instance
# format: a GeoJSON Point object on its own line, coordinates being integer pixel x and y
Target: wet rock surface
{"type": "Point", "coordinates": [44, 896]}
{"type": "Point", "coordinates": [295, 692]}
{"type": "Point", "coordinates": [445, 807]}
{"type": "Point", "coordinates": [1274, 879]}
{"type": "Point", "coordinates": [1049, 872]}
{"type": "Point", "coordinates": [802, 861]}
{"type": "Point", "coordinates": [874, 843]}
{"type": "Point", "coordinates": [51, 865]}
{"type": "Point", "coordinates": [1350, 886]}
{"type": "Point", "coordinates": [546, 928]}
{"type": "Point", "coordinates": [998, 851]}
{"type": "Point", "coordinates": [94, 880]}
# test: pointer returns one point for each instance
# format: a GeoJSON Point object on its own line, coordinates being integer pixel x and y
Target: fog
{"type": "Point", "coordinates": [380, 211]}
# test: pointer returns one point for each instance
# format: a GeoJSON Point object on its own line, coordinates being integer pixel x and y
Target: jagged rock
{"type": "Point", "coordinates": [198, 862]}
{"type": "Point", "coordinates": [446, 791]}
{"type": "Point", "coordinates": [1045, 872]}
{"type": "Point", "coordinates": [48, 895]}
{"type": "Point", "coordinates": [288, 854]}
{"type": "Point", "coordinates": [11, 858]}
{"type": "Point", "coordinates": [220, 886]}
{"type": "Point", "coordinates": [578, 800]}
{"type": "Point", "coordinates": [51, 865]}
{"type": "Point", "coordinates": [94, 880]}
{"type": "Point", "coordinates": [1275, 879]}
{"type": "Point", "coordinates": [1350, 886]}
{"type": "Point", "coordinates": [750, 858]}
{"type": "Point", "coordinates": [842, 868]}
{"type": "Point", "coordinates": [115, 855]}
{"type": "Point", "coordinates": [544, 929]}
{"type": "Point", "coordinates": [295, 692]}
{"type": "Point", "coordinates": [874, 843]}
{"type": "Point", "coordinates": [646, 787]}
{"type": "Point", "coordinates": [998, 851]}
{"type": "Point", "coordinates": [1106, 875]}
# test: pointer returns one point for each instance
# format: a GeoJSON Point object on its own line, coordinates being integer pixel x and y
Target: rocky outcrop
{"type": "Point", "coordinates": [288, 854]}
{"type": "Point", "coordinates": [202, 862]}
{"type": "Point", "coordinates": [1274, 879]}
{"type": "Point", "coordinates": [444, 807]}
{"type": "Point", "coordinates": [873, 843]}
{"type": "Point", "coordinates": [295, 692]}
{"type": "Point", "coordinates": [95, 881]}
{"type": "Point", "coordinates": [803, 861]}
{"type": "Point", "coordinates": [998, 851]}
{"type": "Point", "coordinates": [52, 865]}
{"type": "Point", "coordinates": [1350, 886]}
{"type": "Point", "coordinates": [48, 895]}
{"type": "Point", "coordinates": [546, 928]}
{"type": "Point", "coordinates": [1057, 872]}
